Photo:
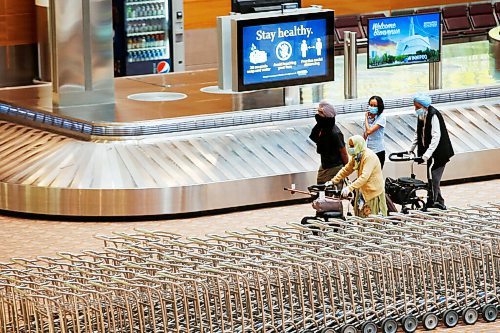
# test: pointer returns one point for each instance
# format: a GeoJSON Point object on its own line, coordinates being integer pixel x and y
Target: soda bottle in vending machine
{"type": "Point", "coordinates": [141, 34]}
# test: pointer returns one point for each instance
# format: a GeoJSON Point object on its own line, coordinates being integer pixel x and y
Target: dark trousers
{"type": "Point", "coordinates": [437, 174]}
{"type": "Point", "coordinates": [325, 175]}
{"type": "Point", "coordinates": [381, 158]}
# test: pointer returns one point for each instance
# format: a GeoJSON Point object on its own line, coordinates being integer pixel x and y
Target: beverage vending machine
{"type": "Point", "coordinates": [148, 36]}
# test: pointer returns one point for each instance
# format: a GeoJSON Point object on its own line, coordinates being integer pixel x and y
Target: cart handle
{"type": "Point", "coordinates": [313, 190]}
{"type": "Point", "coordinates": [402, 156]}
{"type": "Point", "coordinates": [293, 191]}
{"type": "Point", "coordinates": [322, 187]}
{"type": "Point", "coordinates": [336, 193]}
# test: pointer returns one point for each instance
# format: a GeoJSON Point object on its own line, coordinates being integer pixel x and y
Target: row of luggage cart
{"type": "Point", "coordinates": [380, 274]}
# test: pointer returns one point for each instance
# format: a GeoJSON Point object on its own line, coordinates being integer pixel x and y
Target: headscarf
{"type": "Point", "coordinates": [423, 99]}
{"type": "Point", "coordinates": [328, 109]}
{"type": "Point", "coordinates": [359, 148]}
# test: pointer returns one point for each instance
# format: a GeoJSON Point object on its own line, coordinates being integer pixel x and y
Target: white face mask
{"type": "Point", "coordinates": [351, 151]}
{"type": "Point", "coordinates": [373, 109]}
{"type": "Point", "coordinates": [420, 112]}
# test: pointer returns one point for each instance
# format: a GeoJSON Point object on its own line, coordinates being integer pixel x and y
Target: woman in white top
{"type": "Point", "coordinates": [375, 122]}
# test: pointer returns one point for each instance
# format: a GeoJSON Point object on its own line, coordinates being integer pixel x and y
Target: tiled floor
{"type": "Point", "coordinates": [21, 237]}
{"type": "Point", "coordinates": [27, 238]}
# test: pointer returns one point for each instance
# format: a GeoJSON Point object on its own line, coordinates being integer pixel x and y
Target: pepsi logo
{"type": "Point", "coordinates": [162, 67]}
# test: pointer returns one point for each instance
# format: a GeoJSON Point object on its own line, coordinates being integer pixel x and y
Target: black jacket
{"type": "Point", "coordinates": [329, 140]}
{"type": "Point", "coordinates": [444, 150]}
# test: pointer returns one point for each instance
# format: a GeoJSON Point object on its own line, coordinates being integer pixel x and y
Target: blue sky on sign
{"type": "Point", "coordinates": [421, 23]}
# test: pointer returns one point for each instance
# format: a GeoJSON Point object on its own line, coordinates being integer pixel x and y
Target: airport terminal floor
{"type": "Point", "coordinates": [39, 239]}
{"type": "Point", "coordinates": [203, 155]}
{"type": "Point", "coordinates": [28, 238]}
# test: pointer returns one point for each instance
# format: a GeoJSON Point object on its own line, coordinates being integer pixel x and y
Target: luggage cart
{"type": "Point", "coordinates": [357, 275]}
{"type": "Point", "coordinates": [464, 281]}
{"type": "Point", "coordinates": [327, 203]}
{"type": "Point", "coordinates": [404, 190]}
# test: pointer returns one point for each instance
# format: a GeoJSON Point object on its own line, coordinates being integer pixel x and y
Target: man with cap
{"type": "Point", "coordinates": [329, 141]}
{"type": "Point", "coordinates": [432, 142]}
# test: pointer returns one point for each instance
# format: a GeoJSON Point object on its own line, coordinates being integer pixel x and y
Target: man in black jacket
{"type": "Point", "coordinates": [432, 142]}
{"type": "Point", "coordinates": [329, 141]}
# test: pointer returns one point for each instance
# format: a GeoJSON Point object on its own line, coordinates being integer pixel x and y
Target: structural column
{"type": "Point", "coordinates": [350, 65]}
{"type": "Point", "coordinates": [81, 43]}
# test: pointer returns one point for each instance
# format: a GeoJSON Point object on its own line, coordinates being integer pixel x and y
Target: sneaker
{"type": "Point", "coordinates": [439, 206]}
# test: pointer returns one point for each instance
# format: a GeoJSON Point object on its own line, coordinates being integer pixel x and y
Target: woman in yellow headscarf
{"type": "Point", "coordinates": [369, 186]}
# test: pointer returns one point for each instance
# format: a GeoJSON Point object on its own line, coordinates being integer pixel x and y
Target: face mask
{"type": "Point", "coordinates": [373, 109]}
{"type": "Point", "coordinates": [351, 151]}
{"type": "Point", "coordinates": [420, 112]}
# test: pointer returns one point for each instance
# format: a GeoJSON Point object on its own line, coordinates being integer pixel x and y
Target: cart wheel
{"type": "Point", "coordinates": [389, 325]}
{"type": "Point", "coordinates": [409, 323]}
{"type": "Point", "coordinates": [348, 329]}
{"type": "Point", "coordinates": [369, 327]}
{"type": "Point", "coordinates": [305, 220]}
{"type": "Point", "coordinates": [430, 321]}
{"type": "Point", "coordinates": [419, 204]}
{"type": "Point", "coordinates": [490, 313]}
{"type": "Point", "coordinates": [450, 318]}
{"type": "Point", "coordinates": [327, 330]}
{"type": "Point", "coordinates": [470, 316]}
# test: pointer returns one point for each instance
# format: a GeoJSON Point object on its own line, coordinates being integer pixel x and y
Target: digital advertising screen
{"type": "Point", "coordinates": [285, 51]}
{"type": "Point", "coordinates": [404, 40]}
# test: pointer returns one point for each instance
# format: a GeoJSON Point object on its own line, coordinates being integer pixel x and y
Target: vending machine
{"type": "Point", "coordinates": [148, 36]}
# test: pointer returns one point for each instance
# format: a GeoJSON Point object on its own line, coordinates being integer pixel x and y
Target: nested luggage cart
{"type": "Point", "coordinates": [359, 275]}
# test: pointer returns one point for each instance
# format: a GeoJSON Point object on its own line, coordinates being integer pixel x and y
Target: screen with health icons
{"type": "Point", "coordinates": [280, 54]}
{"type": "Point", "coordinates": [404, 40]}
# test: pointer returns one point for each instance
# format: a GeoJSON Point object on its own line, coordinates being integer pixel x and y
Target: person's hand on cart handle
{"type": "Point", "coordinates": [419, 160]}
{"type": "Point", "coordinates": [328, 183]}
{"type": "Point", "coordinates": [345, 192]}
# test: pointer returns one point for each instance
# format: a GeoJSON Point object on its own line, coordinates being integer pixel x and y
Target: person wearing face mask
{"type": "Point", "coordinates": [375, 122]}
{"type": "Point", "coordinates": [369, 186]}
{"type": "Point", "coordinates": [329, 141]}
{"type": "Point", "coordinates": [433, 144]}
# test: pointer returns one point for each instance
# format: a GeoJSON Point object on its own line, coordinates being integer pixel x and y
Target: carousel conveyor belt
{"type": "Point", "coordinates": [214, 168]}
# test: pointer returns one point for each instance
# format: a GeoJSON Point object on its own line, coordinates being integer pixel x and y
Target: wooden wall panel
{"type": "Point", "coordinates": [20, 29]}
{"type": "Point", "coordinates": [199, 14]}
{"type": "Point", "coordinates": [342, 7]}
{"type": "Point", "coordinates": [17, 22]}
{"type": "Point", "coordinates": [202, 13]}
{"type": "Point", "coordinates": [19, 7]}
{"type": "Point", "coordinates": [3, 30]}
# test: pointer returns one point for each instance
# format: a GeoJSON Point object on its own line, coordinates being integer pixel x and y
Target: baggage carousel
{"type": "Point", "coordinates": [59, 165]}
